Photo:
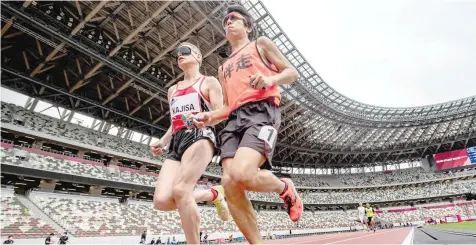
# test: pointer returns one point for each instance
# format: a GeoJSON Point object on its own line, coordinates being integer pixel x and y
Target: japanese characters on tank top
{"type": "Point", "coordinates": [238, 69]}
{"type": "Point", "coordinates": [187, 100]}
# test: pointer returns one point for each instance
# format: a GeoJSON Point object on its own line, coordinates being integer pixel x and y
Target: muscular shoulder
{"type": "Point", "coordinates": [210, 79]}
{"type": "Point", "coordinates": [264, 43]}
{"type": "Point", "coordinates": [210, 82]}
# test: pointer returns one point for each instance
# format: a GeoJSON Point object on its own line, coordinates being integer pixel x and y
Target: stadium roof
{"type": "Point", "coordinates": [112, 61]}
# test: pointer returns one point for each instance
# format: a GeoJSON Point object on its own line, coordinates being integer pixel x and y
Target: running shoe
{"type": "Point", "coordinates": [220, 203]}
{"type": "Point", "coordinates": [292, 201]}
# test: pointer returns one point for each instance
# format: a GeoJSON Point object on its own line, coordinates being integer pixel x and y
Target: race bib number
{"type": "Point", "coordinates": [268, 134]}
{"type": "Point", "coordinates": [189, 103]}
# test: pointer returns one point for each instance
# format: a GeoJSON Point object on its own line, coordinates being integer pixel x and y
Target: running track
{"type": "Point", "coordinates": [392, 236]}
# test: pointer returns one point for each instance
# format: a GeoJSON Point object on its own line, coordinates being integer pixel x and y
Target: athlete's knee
{"type": "Point", "coordinates": [226, 181]}
{"type": "Point", "coordinates": [164, 203]}
{"type": "Point", "coordinates": [242, 177]}
{"type": "Point", "coordinates": [181, 191]}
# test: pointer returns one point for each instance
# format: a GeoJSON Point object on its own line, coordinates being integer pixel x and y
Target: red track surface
{"type": "Point", "coordinates": [393, 236]}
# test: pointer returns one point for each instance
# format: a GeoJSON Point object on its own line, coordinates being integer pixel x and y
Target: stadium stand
{"type": "Point", "coordinates": [391, 194]}
{"type": "Point", "coordinates": [16, 219]}
{"type": "Point", "coordinates": [92, 216]}
{"type": "Point", "coordinates": [38, 161]}
{"type": "Point", "coordinates": [41, 123]}
{"type": "Point", "coordinates": [85, 216]}
{"type": "Point", "coordinates": [71, 131]}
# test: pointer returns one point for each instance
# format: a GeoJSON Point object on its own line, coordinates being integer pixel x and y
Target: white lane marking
{"type": "Point", "coordinates": [409, 239]}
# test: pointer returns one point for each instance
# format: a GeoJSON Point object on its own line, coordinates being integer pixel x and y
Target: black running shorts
{"type": "Point", "coordinates": [254, 125]}
{"type": "Point", "coordinates": [369, 220]}
{"type": "Point", "coordinates": [184, 138]}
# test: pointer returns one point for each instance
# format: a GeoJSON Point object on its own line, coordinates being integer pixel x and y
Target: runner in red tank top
{"type": "Point", "coordinates": [189, 150]}
{"type": "Point", "coordinates": [250, 78]}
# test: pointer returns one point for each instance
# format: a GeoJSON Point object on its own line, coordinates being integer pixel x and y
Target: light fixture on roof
{"type": "Point", "coordinates": [49, 10]}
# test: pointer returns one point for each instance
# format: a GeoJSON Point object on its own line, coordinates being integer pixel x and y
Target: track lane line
{"type": "Point", "coordinates": [409, 239]}
{"type": "Point", "coordinates": [368, 235]}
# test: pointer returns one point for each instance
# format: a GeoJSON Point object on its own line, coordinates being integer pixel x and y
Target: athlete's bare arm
{"type": "Point", "coordinates": [165, 139]}
{"type": "Point", "coordinates": [287, 73]}
{"type": "Point", "coordinates": [214, 92]}
{"type": "Point", "coordinates": [167, 136]}
{"type": "Point", "coordinates": [220, 113]}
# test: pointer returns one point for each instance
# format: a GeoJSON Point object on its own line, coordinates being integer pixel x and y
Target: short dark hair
{"type": "Point", "coordinates": [248, 18]}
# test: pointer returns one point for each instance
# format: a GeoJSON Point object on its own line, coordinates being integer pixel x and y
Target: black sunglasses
{"type": "Point", "coordinates": [184, 50]}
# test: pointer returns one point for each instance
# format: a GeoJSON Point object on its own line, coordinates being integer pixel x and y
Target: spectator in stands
{"type": "Point", "coordinates": [64, 238]}
{"type": "Point", "coordinates": [9, 240]}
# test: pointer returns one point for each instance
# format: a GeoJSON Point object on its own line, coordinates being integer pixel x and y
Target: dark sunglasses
{"type": "Point", "coordinates": [233, 17]}
{"type": "Point", "coordinates": [184, 50]}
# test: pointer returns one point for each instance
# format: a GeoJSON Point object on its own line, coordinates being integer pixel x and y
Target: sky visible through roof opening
{"type": "Point", "coordinates": [396, 53]}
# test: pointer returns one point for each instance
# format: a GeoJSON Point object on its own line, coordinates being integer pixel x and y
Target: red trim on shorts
{"type": "Point", "coordinates": [265, 155]}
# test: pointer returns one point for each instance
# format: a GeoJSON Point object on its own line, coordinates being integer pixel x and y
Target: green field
{"type": "Point", "coordinates": [471, 225]}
